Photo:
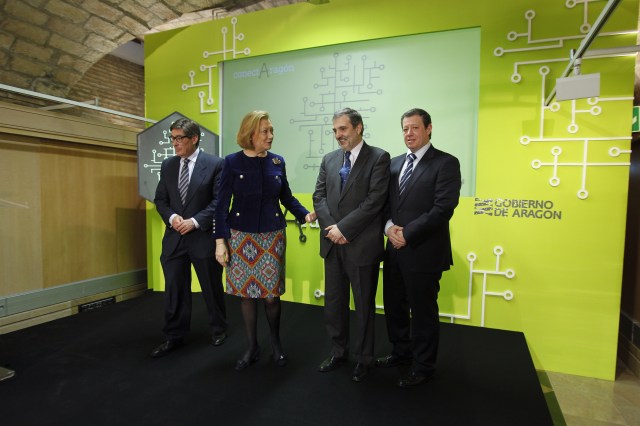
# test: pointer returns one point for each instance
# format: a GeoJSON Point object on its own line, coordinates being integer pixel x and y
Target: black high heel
{"type": "Point", "coordinates": [241, 364]}
{"type": "Point", "coordinates": [280, 360]}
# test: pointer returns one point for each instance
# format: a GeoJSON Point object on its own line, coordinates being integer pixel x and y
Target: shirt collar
{"type": "Point", "coordinates": [194, 156]}
{"type": "Point", "coordinates": [356, 151]}
{"type": "Point", "coordinates": [421, 152]}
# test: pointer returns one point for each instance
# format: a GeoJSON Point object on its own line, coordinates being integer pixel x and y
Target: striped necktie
{"type": "Point", "coordinates": [183, 182]}
{"type": "Point", "coordinates": [407, 172]}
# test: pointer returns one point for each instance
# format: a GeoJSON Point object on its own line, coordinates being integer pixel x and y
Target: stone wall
{"type": "Point", "coordinates": [59, 47]}
{"type": "Point", "coordinates": [47, 45]}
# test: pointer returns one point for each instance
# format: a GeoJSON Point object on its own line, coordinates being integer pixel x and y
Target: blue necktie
{"type": "Point", "coordinates": [345, 170]}
{"type": "Point", "coordinates": [407, 172]}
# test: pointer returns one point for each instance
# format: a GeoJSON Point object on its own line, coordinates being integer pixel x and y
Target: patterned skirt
{"type": "Point", "coordinates": [256, 264]}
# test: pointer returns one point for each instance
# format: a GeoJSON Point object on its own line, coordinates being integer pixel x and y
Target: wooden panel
{"type": "Point", "coordinates": [92, 216]}
{"type": "Point", "coordinates": [20, 250]}
{"type": "Point", "coordinates": [69, 203]}
{"type": "Point", "coordinates": [15, 119]}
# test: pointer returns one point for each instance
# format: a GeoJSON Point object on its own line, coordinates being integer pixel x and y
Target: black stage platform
{"type": "Point", "coordinates": [94, 369]}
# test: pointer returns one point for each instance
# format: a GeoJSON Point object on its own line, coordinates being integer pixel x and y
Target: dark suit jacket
{"type": "Point", "coordinates": [424, 210]}
{"type": "Point", "coordinates": [258, 186]}
{"type": "Point", "coordinates": [200, 204]}
{"type": "Point", "coordinates": [358, 209]}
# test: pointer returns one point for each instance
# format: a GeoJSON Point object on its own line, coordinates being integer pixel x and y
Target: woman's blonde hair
{"type": "Point", "coordinates": [248, 127]}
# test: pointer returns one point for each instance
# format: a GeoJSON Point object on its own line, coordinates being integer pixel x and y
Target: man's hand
{"type": "Point", "coordinates": [335, 235]}
{"type": "Point", "coordinates": [183, 226]}
{"type": "Point", "coordinates": [177, 220]}
{"type": "Point", "coordinates": [396, 237]}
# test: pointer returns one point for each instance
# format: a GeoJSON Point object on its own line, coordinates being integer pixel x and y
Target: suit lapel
{"type": "Point", "coordinates": [334, 164]}
{"type": "Point", "coordinates": [199, 172]}
{"type": "Point", "coordinates": [396, 167]}
{"type": "Point", "coordinates": [173, 175]}
{"type": "Point", "coordinates": [421, 168]}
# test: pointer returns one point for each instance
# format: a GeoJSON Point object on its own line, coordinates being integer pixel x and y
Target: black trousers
{"type": "Point", "coordinates": [177, 299]}
{"type": "Point", "coordinates": [412, 314]}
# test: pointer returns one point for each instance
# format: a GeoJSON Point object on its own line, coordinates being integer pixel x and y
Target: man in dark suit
{"type": "Point", "coordinates": [349, 198]}
{"type": "Point", "coordinates": [186, 199]}
{"type": "Point", "coordinates": [424, 189]}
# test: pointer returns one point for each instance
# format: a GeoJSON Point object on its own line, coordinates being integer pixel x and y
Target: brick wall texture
{"type": "Point", "coordinates": [118, 85]}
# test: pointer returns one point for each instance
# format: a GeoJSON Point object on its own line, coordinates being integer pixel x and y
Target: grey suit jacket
{"type": "Point", "coordinates": [358, 208]}
{"type": "Point", "coordinates": [200, 204]}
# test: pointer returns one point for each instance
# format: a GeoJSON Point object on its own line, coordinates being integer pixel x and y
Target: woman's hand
{"type": "Point", "coordinates": [310, 217]}
{"type": "Point", "coordinates": [222, 253]}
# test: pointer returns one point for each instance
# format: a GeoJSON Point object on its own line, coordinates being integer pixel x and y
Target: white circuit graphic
{"type": "Point", "coordinates": [594, 105]}
{"type": "Point", "coordinates": [229, 50]}
{"type": "Point", "coordinates": [346, 81]}
{"type": "Point", "coordinates": [162, 152]}
{"type": "Point", "coordinates": [507, 295]}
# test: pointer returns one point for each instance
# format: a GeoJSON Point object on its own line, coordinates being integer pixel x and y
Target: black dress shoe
{"type": "Point", "coordinates": [360, 371]}
{"type": "Point", "coordinates": [330, 364]}
{"type": "Point", "coordinates": [218, 339]}
{"type": "Point", "coordinates": [241, 364]}
{"type": "Point", "coordinates": [413, 379]}
{"type": "Point", "coordinates": [280, 360]}
{"type": "Point", "coordinates": [165, 348]}
{"type": "Point", "coordinates": [392, 360]}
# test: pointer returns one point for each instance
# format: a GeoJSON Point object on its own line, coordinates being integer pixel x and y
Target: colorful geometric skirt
{"type": "Point", "coordinates": [256, 264]}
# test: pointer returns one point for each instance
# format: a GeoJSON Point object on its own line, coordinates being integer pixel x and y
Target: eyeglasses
{"type": "Point", "coordinates": [178, 138]}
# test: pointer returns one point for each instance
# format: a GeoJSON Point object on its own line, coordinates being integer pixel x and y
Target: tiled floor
{"type": "Point", "coordinates": [575, 400]}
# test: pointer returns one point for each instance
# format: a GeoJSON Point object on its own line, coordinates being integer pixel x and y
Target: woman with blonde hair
{"type": "Point", "coordinates": [250, 232]}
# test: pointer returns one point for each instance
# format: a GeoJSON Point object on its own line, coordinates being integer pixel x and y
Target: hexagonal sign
{"type": "Point", "coordinates": [154, 146]}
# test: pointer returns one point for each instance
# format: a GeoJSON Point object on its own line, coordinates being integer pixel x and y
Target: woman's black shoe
{"type": "Point", "coordinates": [241, 364]}
{"type": "Point", "coordinates": [281, 360]}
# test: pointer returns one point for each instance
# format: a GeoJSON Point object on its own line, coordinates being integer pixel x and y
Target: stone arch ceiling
{"type": "Point", "coordinates": [47, 45]}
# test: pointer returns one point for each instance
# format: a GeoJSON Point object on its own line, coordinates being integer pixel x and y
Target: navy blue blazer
{"type": "Point", "coordinates": [200, 203]}
{"type": "Point", "coordinates": [257, 185]}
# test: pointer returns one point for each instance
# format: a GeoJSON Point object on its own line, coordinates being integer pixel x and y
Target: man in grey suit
{"type": "Point", "coordinates": [186, 199]}
{"type": "Point", "coordinates": [349, 199]}
{"type": "Point", "coordinates": [423, 192]}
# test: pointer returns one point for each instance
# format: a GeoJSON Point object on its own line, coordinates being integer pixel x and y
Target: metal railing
{"type": "Point", "coordinates": [74, 103]}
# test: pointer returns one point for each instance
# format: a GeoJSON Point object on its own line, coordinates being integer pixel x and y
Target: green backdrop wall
{"type": "Point", "coordinates": [302, 89]}
{"type": "Point", "coordinates": [538, 246]}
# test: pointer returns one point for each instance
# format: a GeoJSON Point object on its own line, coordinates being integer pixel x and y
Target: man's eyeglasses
{"type": "Point", "coordinates": [179, 138]}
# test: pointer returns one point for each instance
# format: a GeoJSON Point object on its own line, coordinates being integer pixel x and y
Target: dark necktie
{"type": "Point", "coordinates": [183, 183]}
{"type": "Point", "coordinates": [407, 172]}
{"type": "Point", "coordinates": [345, 170]}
